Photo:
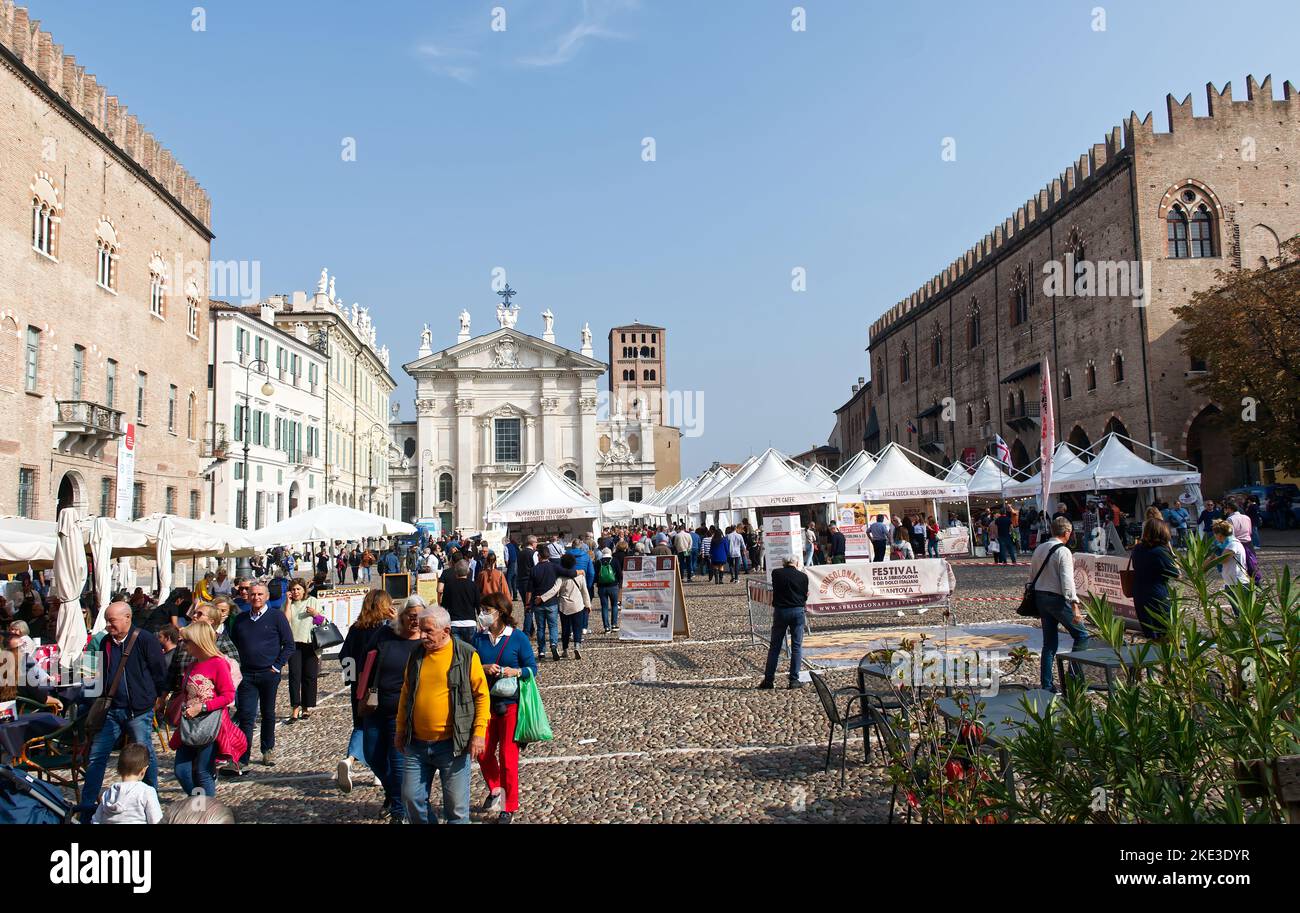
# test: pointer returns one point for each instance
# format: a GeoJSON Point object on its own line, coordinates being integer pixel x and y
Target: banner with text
{"type": "Point", "coordinates": [1098, 575]}
{"type": "Point", "coordinates": [124, 509]}
{"type": "Point", "coordinates": [853, 524]}
{"type": "Point", "coordinates": [954, 542]}
{"type": "Point", "coordinates": [864, 586]}
{"type": "Point", "coordinates": [782, 537]}
{"type": "Point", "coordinates": [653, 608]}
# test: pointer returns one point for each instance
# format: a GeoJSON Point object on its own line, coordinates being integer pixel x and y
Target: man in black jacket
{"type": "Point", "coordinates": [142, 680]}
{"type": "Point", "coordinates": [837, 544]}
{"type": "Point", "coordinates": [265, 642]}
{"type": "Point", "coordinates": [524, 580]}
{"type": "Point", "coordinates": [789, 596]}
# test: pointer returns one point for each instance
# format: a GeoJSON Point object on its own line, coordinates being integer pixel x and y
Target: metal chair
{"type": "Point", "coordinates": [846, 720]}
{"type": "Point", "coordinates": [59, 757]}
{"type": "Point", "coordinates": [892, 743]}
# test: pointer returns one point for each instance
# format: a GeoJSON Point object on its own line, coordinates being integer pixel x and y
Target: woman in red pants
{"type": "Point", "coordinates": [507, 656]}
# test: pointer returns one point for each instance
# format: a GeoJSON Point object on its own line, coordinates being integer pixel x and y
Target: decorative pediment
{"type": "Point", "coordinates": [506, 349]}
{"type": "Point", "coordinates": [506, 410]}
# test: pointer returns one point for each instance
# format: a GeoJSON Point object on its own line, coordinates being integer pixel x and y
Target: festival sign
{"type": "Point", "coordinates": [853, 524]}
{"type": "Point", "coordinates": [653, 607]}
{"type": "Point", "coordinates": [864, 586]}
{"type": "Point", "coordinates": [1098, 575]}
{"type": "Point", "coordinates": [342, 604]}
{"type": "Point", "coordinates": [954, 541]}
{"type": "Point", "coordinates": [782, 538]}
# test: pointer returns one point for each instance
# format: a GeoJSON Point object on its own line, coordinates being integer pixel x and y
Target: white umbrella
{"type": "Point", "coordinates": [327, 523]}
{"type": "Point", "coordinates": [69, 580]}
{"type": "Point", "coordinates": [199, 538]}
{"type": "Point", "coordinates": [164, 557]}
{"type": "Point", "coordinates": [101, 549]}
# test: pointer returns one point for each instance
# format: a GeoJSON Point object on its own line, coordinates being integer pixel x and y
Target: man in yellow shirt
{"type": "Point", "coordinates": [442, 720]}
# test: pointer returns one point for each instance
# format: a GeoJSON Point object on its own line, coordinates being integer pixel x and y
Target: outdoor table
{"type": "Point", "coordinates": [1001, 718]}
{"type": "Point", "coordinates": [1131, 658]}
{"type": "Point", "coordinates": [15, 733]}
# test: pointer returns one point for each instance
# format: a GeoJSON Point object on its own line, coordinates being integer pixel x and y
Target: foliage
{"type": "Point", "coordinates": [1247, 331]}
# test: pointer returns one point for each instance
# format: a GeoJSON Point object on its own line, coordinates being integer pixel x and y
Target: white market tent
{"type": "Point", "coordinates": [200, 538]}
{"type": "Point", "coordinates": [817, 475]}
{"type": "Point", "coordinates": [768, 482]}
{"type": "Point", "coordinates": [1064, 462]}
{"type": "Point", "coordinates": [958, 472]}
{"type": "Point", "coordinates": [328, 522]}
{"type": "Point", "coordinates": [675, 504]}
{"type": "Point", "coordinates": [619, 509]}
{"type": "Point", "coordinates": [988, 478]}
{"type": "Point", "coordinates": [690, 503]}
{"type": "Point", "coordinates": [543, 495]}
{"type": "Point", "coordinates": [1116, 466]}
{"type": "Point", "coordinates": [849, 479]}
{"type": "Point", "coordinates": [896, 477]}
{"type": "Point", "coordinates": [25, 542]}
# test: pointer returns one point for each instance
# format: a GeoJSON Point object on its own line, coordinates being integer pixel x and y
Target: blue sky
{"type": "Point", "coordinates": [522, 149]}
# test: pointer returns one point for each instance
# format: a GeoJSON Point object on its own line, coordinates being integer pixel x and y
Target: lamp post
{"type": "Point", "coordinates": [370, 464]}
{"type": "Point", "coordinates": [262, 368]}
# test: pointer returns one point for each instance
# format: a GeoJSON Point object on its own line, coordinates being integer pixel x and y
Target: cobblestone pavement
{"type": "Point", "coordinates": [696, 744]}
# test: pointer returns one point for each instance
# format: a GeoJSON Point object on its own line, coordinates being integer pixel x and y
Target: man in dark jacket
{"type": "Point", "coordinates": [547, 614]}
{"type": "Point", "coordinates": [265, 642]}
{"type": "Point", "coordinates": [142, 680]}
{"type": "Point", "coordinates": [789, 596]}
{"type": "Point", "coordinates": [837, 544]}
{"type": "Point", "coordinates": [524, 578]}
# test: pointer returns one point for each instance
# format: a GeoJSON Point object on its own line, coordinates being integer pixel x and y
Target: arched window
{"type": "Point", "coordinates": [1019, 298]}
{"type": "Point", "coordinates": [904, 364]}
{"type": "Point", "coordinates": [654, 375]}
{"type": "Point", "coordinates": [970, 415]}
{"type": "Point", "coordinates": [1202, 235]}
{"type": "Point", "coordinates": [1066, 389]}
{"type": "Point", "coordinates": [1020, 402]}
{"type": "Point", "coordinates": [1079, 255]}
{"type": "Point", "coordinates": [45, 215]}
{"type": "Point", "coordinates": [973, 324]}
{"type": "Point", "coordinates": [1011, 404]}
{"type": "Point", "coordinates": [1190, 224]}
{"type": "Point", "coordinates": [1090, 375]}
{"type": "Point", "coordinates": [1176, 223]}
{"type": "Point", "coordinates": [192, 312]}
{"type": "Point", "coordinates": [987, 412]}
{"type": "Point", "coordinates": [936, 348]}
{"type": "Point", "coordinates": [645, 350]}
{"type": "Point", "coordinates": [1117, 366]}
{"type": "Point", "coordinates": [570, 474]}
{"type": "Point", "coordinates": [158, 286]}
{"type": "Point", "coordinates": [444, 488]}
{"type": "Point", "coordinates": [189, 419]}
{"type": "Point", "coordinates": [106, 255]}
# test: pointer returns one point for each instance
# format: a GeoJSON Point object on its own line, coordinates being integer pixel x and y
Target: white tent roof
{"type": "Point", "coordinates": [24, 541]}
{"type": "Point", "coordinates": [677, 503]}
{"type": "Point", "coordinates": [721, 480]}
{"type": "Point", "coordinates": [1116, 466]}
{"type": "Point", "coordinates": [849, 479]}
{"type": "Point", "coordinates": [769, 482]}
{"type": "Point", "coordinates": [327, 523]}
{"type": "Point", "coordinates": [693, 501]}
{"type": "Point", "coordinates": [1064, 462]}
{"type": "Point", "coordinates": [619, 509]}
{"type": "Point", "coordinates": [988, 479]}
{"type": "Point", "coordinates": [541, 495]}
{"type": "Point", "coordinates": [958, 472]}
{"type": "Point", "coordinates": [817, 475]}
{"type": "Point", "coordinates": [895, 476]}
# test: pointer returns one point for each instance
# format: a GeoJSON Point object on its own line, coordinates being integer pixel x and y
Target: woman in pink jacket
{"type": "Point", "coordinates": [207, 688]}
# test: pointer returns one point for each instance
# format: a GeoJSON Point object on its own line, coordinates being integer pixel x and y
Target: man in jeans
{"type": "Point", "coordinates": [682, 546]}
{"type": "Point", "coordinates": [1055, 596]}
{"type": "Point", "coordinates": [442, 720]}
{"type": "Point", "coordinates": [265, 643]}
{"type": "Point", "coordinates": [789, 596]}
{"type": "Point", "coordinates": [142, 680]}
{"type": "Point", "coordinates": [547, 614]}
{"type": "Point", "coordinates": [1006, 547]}
{"type": "Point", "coordinates": [735, 548]}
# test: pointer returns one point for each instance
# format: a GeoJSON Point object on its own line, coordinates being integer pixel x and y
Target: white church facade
{"type": "Point", "coordinates": [490, 406]}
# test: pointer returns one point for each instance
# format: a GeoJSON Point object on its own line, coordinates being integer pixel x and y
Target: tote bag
{"type": "Point", "coordinates": [531, 724]}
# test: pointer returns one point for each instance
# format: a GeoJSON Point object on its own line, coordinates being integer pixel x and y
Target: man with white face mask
{"type": "Point", "coordinates": [507, 657]}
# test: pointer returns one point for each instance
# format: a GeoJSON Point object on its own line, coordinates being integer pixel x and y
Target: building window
{"type": "Point", "coordinates": [26, 492]}
{"type": "Point", "coordinates": [45, 215]}
{"type": "Point", "coordinates": [194, 505]}
{"type": "Point", "coordinates": [137, 501]}
{"type": "Point", "coordinates": [1189, 226]}
{"type": "Point", "coordinates": [970, 415]}
{"type": "Point", "coordinates": [105, 496]}
{"type": "Point", "coordinates": [444, 488]}
{"type": "Point", "coordinates": [171, 500]}
{"type": "Point", "coordinates": [936, 348]}
{"type": "Point", "coordinates": [1196, 364]}
{"type": "Point", "coordinates": [192, 327]}
{"type": "Point", "coordinates": [634, 495]}
{"type": "Point", "coordinates": [987, 412]}
{"type": "Point", "coordinates": [1090, 376]}
{"type": "Point", "coordinates": [189, 419]}
{"type": "Point", "coordinates": [1176, 224]}
{"type": "Point", "coordinates": [1019, 299]}
{"type": "Point", "coordinates": [606, 495]}
{"type": "Point", "coordinates": [973, 324]}
{"type": "Point", "coordinates": [78, 371]}
{"type": "Point", "coordinates": [32, 358]}
{"type": "Point", "coordinates": [141, 381]}
{"type": "Point", "coordinates": [904, 364]}
{"type": "Point", "coordinates": [110, 384]}
{"type": "Point", "coordinates": [157, 295]}
{"type": "Point", "coordinates": [507, 441]}
{"type": "Point", "coordinates": [104, 272]}
{"type": "Point", "coordinates": [241, 413]}
{"type": "Point", "coordinates": [573, 477]}
{"type": "Point", "coordinates": [1067, 389]}
{"type": "Point", "coordinates": [171, 410]}
{"type": "Point", "coordinates": [1202, 236]}
{"type": "Point", "coordinates": [1117, 366]}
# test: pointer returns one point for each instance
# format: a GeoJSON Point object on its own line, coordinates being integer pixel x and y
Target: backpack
{"type": "Point", "coordinates": [605, 576]}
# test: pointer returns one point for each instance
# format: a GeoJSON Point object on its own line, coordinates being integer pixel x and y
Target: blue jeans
{"type": "Point", "coordinates": [609, 596]}
{"type": "Point", "coordinates": [1008, 549]}
{"type": "Point", "coordinates": [140, 729]}
{"type": "Point", "coordinates": [464, 633]}
{"type": "Point", "coordinates": [419, 762]}
{"type": "Point", "coordinates": [547, 615]}
{"type": "Point", "coordinates": [378, 731]}
{"type": "Point", "coordinates": [808, 554]}
{"type": "Point", "coordinates": [1055, 610]}
{"type": "Point", "coordinates": [257, 690]}
{"type": "Point", "coordinates": [684, 559]}
{"type": "Point", "coordinates": [357, 745]}
{"type": "Point", "coordinates": [932, 548]}
{"type": "Point", "coordinates": [511, 576]}
{"type": "Point", "coordinates": [784, 620]}
{"type": "Point", "coordinates": [734, 564]}
{"type": "Point", "coordinates": [196, 769]}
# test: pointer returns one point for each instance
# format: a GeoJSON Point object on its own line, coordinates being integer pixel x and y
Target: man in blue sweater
{"type": "Point", "coordinates": [265, 642]}
{"type": "Point", "coordinates": [143, 680]}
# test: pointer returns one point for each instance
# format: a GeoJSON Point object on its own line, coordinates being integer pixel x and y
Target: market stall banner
{"type": "Point", "coordinates": [864, 586]}
{"type": "Point", "coordinates": [955, 541]}
{"type": "Point", "coordinates": [342, 604]}
{"type": "Point", "coordinates": [853, 525]}
{"type": "Point", "coordinates": [1098, 575]}
{"type": "Point", "coordinates": [782, 538]}
{"type": "Point", "coordinates": [653, 607]}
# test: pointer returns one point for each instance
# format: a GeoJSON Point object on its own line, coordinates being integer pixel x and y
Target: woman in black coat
{"type": "Point", "coordinates": [1153, 568]}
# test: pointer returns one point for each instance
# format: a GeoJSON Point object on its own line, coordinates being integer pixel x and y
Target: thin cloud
{"type": "Point", "coordinates": [595, 15]}
{"type": "Point", "coordinates": [450, 62]}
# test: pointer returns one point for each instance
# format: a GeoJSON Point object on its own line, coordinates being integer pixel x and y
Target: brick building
{"type": "Point", "coordinates": [104, 244]}
{"type": "Point", "coordinates": [638, 380]}
{"type": "Point", "coordinates": [960, 359]}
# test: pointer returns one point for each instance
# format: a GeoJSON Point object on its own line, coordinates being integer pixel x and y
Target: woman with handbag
{"type": "Point", "coordinates": [363, 637]}
{"type": "Point", "coordinates": [507, 657]}
{"type": "Point", "coordinates": [203, 730]}
{"type": "Point", "coordinates": [303, 613]}
{"type": "Point", "coordinates": [1152, 567]}
{"type": "Point", "coordinates": [491, 580]}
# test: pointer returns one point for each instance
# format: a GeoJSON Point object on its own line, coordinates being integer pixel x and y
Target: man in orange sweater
{"type": "Point", "coordinates": [442, 720]}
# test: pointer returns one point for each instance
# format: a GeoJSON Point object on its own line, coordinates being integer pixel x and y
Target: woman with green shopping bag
{"type": "Point", "coordinates": [509, 664]}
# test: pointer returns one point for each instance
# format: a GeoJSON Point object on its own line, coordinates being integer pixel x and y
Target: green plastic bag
{"type": "Point", "coordinates": [531, 724]}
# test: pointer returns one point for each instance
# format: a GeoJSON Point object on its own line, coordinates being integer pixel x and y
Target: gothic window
{"type": "Point", "coordinates": [1019, 298]}
{"type": "Point", "coordinates": [1202, 235]}
{"type": "Point", "coordinates": [987, 413]}
{"type": "Point", "coordinates": [1117, 366]}
{"type": "Point", "coordinates": [936, 348]}
{"type": "Point", "coordinates": [1090, 375]}
{"type": "Point", "coordinates": [1176, 221]}
{"type": "Point", "coordinates": [106, 256]}
{"type": "Point", "coordinates": [157, 286]}
{"type": "Point", "coordinates": [1079, 256]}
{"type": "Point", "coordinates": [1190, 225]}
{"type": "Point", "coordinates": [444, 488]}
{"type": "Point", "coordinates": [45, 215]}
{"type": "Point", "coordinates": [904, 364]}
{"type": "Point", "coordinates": [973, 324]}
{"type": "Point", "coordinates": [1011, 404]}
{"type": "Point", "coordinates": [645, 351]}
{"type": "Point", "coordinates": [192, 321]}
{"type": "Point", "coordinates": [1066, 389]}
{"type": "Point", "coordinates": [970, 415]}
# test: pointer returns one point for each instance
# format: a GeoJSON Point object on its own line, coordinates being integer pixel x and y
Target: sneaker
{"type": "Point", "coordinates": [505, 818]}
{"type": "Point", "coordinates": [585, 632]}
{"type": "Point", "coordinates": [555, 654]}
{"type": "Point", "coordinates": [796, 685]}
{"type": "Point", "coordinates": [564, 654]}
{"type": "Point", "coordinates": [615, 628]}
{"type": "Point", "coordinates": [231, 770]}
{"type": "Point", "coordinates": [343, 776]}
{"type": "Point", "coordinates": [577, 654]}
{"type": "Point", "coordinates": [766, 685]}
{"type": "Point", "coordinates": [268, 757]}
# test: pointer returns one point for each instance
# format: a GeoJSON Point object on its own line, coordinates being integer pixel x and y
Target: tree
{"type": "Point", "coordinates": [1246, 330]}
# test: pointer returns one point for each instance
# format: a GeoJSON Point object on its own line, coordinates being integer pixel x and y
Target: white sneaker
{"type": "Point", "coordinates": [344, 775]}
{"type": "Point", "coordinates": [498, 802]}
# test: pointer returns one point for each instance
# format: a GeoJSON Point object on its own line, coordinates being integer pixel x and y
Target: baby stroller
{"type": "Point", "coordinates": [26, 800]}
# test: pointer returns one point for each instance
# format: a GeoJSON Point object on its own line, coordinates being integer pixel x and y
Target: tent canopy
{"type": "Point", "coordinates": [896, 477]}
{"type": "Point", "coordinates": [1114, 466]}
{"type": "Point", "coordinates": [958, 472]}
{"type": "Point", "coordinates": [817, 475]}
{"type": "Point", "coordinates": [988, 478]}
{"type": "Point", "coordinates": [200, 538]}
{"type": "Point", "coordinates": [541, 495]}
{"type": "Point", "coordinates": [768, 482]}
{"type": "Point", "coordinates": [1064, 462]}
{"type": "Point", "coordinates": [849, 479]}
{"type": "Point", "coordinates": [327, 523]}
{"type": "Point", "coordinates": [619, 509]}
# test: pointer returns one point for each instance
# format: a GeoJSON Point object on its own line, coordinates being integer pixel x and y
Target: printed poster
{"type": "Point", "coordinates": [653, 608]}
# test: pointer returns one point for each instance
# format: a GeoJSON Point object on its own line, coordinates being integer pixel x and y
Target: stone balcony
{"type": "Point", "coordinates": [1025, 418]}
{"type": "Point", "coordinates": [501, 469]}
{"type": "Point", "coordinates": [83, 428]}
{"type": "Point", "coordinates": [216, 442]}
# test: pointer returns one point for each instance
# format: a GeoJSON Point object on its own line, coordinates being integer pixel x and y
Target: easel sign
{"type": "Point", "coordinates": [653, 606]}
{"type": "Point", "coordinates": [398, 586]}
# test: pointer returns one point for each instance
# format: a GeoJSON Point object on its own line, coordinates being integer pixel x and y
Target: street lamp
{"type": "Point", "coordinates": [261, 367]}
{"type": "Point", "coordinates": [370, 463]}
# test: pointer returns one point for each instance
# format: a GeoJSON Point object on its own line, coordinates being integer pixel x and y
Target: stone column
{"type": "Point", "coordinates": [426, 436]}
{"type": "Point", "coordinates": [529, 444]}
{"type": "Point", "coordinates": [550, 403]}
{"type": "Point", "coordinates": [587, 443]}
{"type": "Point", "coordinates": [465, 495]}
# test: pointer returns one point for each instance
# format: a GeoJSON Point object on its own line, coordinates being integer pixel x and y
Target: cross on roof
{"type": "Point", "coordinates": [507, 293]}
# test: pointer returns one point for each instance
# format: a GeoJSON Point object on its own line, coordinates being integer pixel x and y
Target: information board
{"type": "Point", "coordinates": [342, 604]}
{"type": "Point", "coordinates": [653, 607]}
{"type": "Point", "coordinates": [782, 537]}
{"type": "Point", "coordinates": [397, 586]}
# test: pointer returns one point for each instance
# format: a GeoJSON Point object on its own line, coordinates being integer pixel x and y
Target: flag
{"type": "Point", "coordinates": [1046, 438]}
{"type": "Point", "coordinates": [1001, 452]}
{"type": "Point", "coordinates": [911, 428]}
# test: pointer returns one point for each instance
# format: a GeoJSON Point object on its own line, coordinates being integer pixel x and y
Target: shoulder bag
{"type": "Point", "coordinates": [506, 686]}
{"type": "Point", "coordinates": [202, 729]}
{"type": "Point", "coordinates": [1028, 607]}
{"type": "Point", "coordinates": [1126, 577]}
{"type": "Point", "coordinates": [326, 635]}
{"type": "Point", "coordinates": [98, 711]}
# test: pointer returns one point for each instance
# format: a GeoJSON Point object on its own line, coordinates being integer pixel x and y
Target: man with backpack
{"type": "Point", "coordinates": [609, 583]}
